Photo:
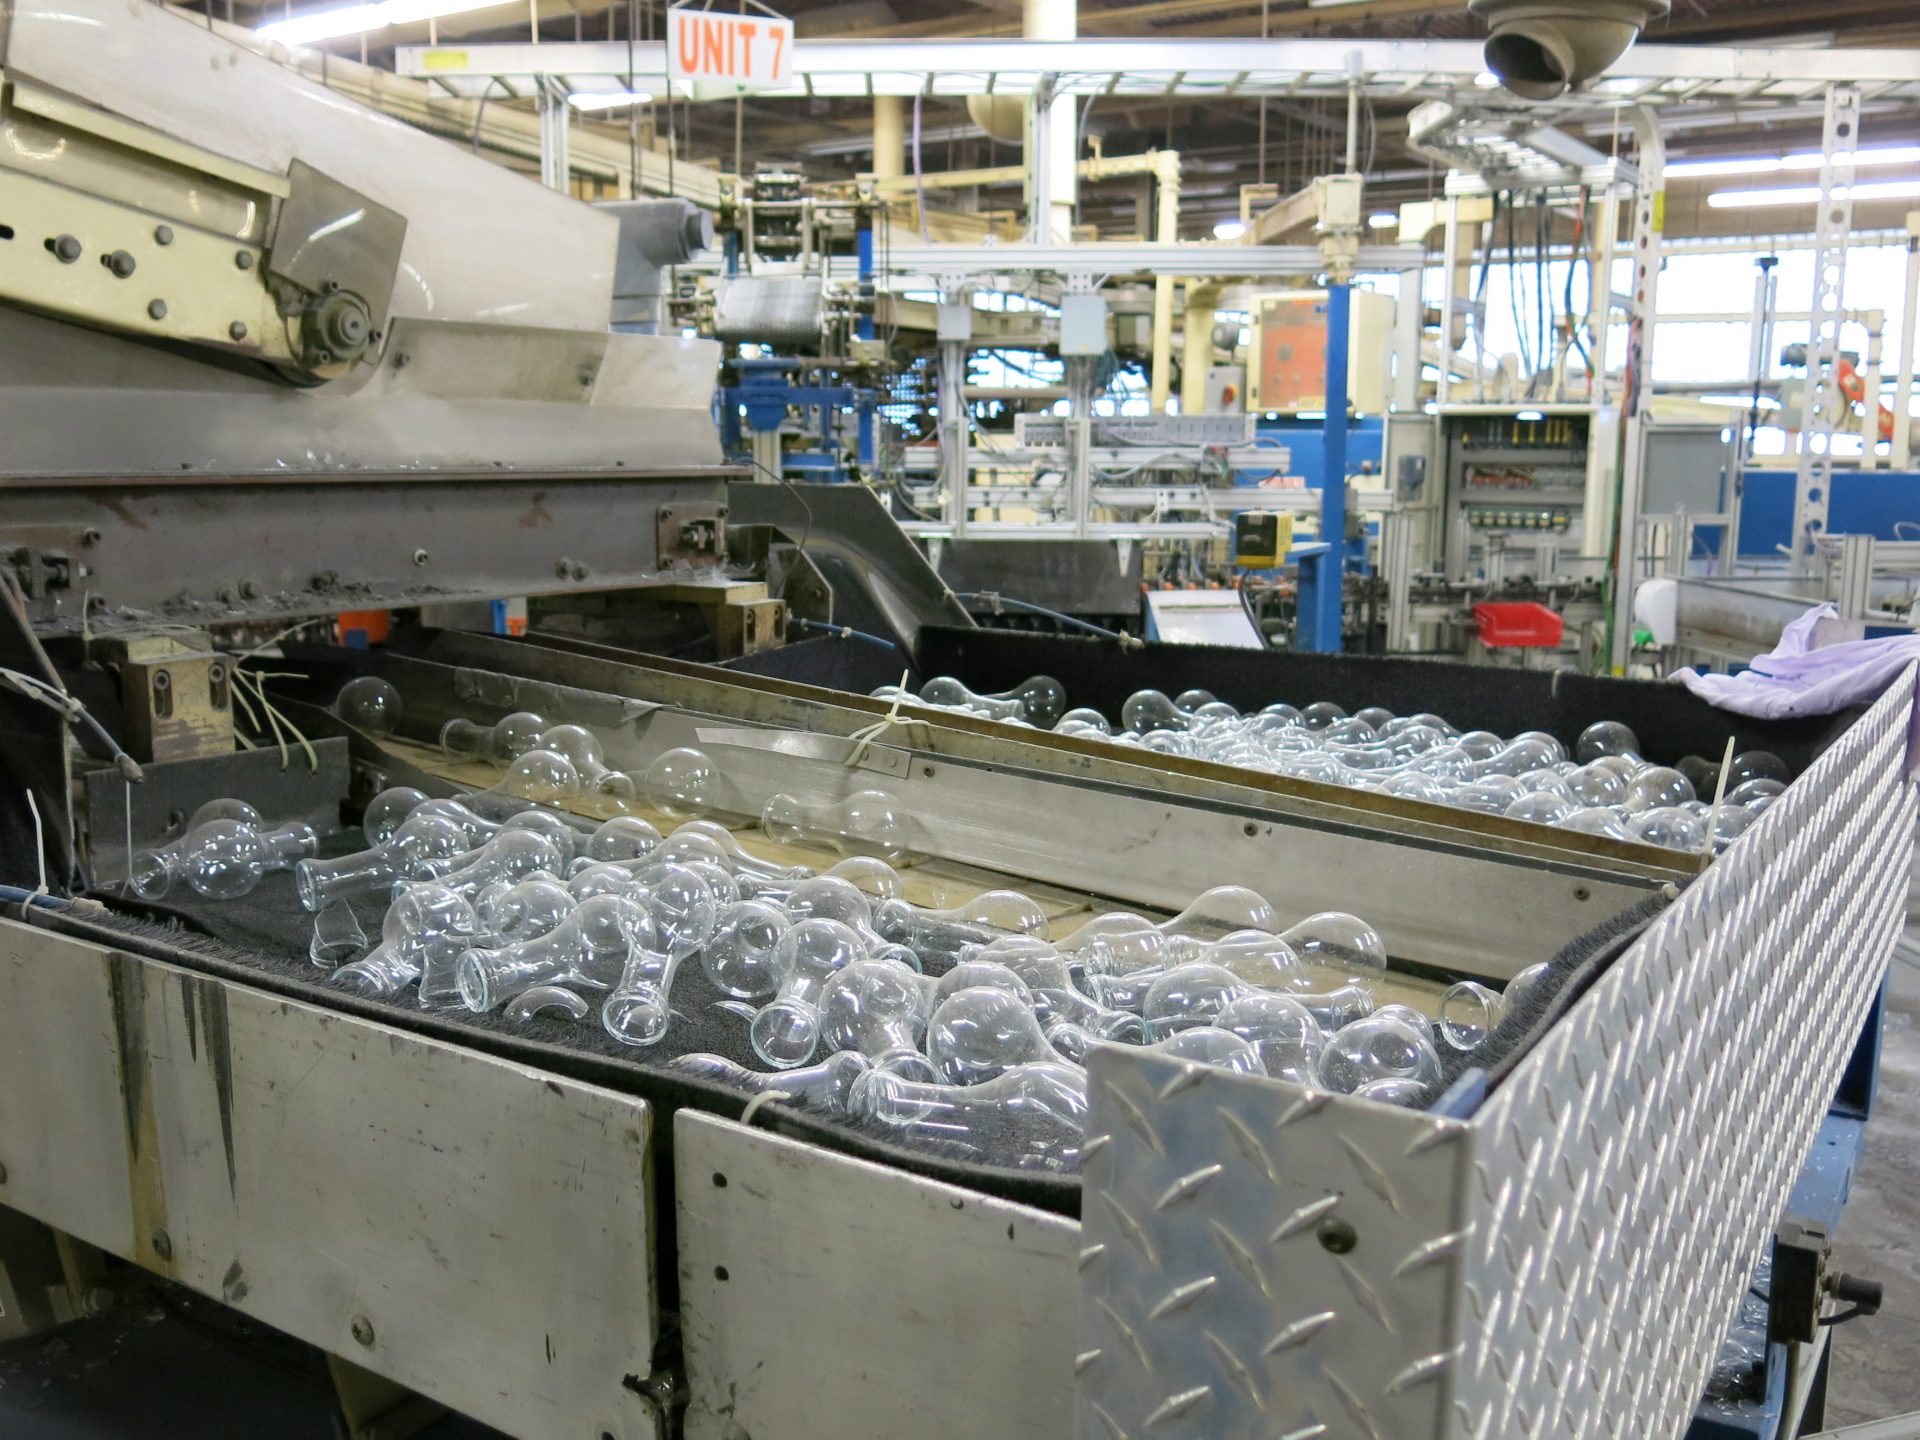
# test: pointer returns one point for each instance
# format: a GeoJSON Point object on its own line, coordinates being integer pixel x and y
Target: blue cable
{"type": "Point", "coordinates": [846, 631]}
{"type": "Point", "coordinates": [15, 895]}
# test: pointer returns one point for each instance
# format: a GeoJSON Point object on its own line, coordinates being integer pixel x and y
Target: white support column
{"type": "Point", "coordinates": [1649, 209]}
{"type": "Point", "coordinates": [1449, 265]}
{"type": "Point", "coordinates": [1053, 147]}
{"type": "Point", "coordinates": [1870, 390]}
{"type": "Point", "coordinates": [889, 137]}
{"type": "Point", "coordinates": [1409, 320]}
{"type": "Point", "coordinates": [1821, 404]}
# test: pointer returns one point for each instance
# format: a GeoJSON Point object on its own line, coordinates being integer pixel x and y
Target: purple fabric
{"type": "Point", "coordinates": [1803, 676]}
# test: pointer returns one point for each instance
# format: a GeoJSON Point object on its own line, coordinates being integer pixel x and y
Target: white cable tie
{"type": "Point", "coordinates": [765, 1097]}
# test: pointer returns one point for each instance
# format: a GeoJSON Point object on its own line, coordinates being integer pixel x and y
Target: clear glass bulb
{"type": "Point", "coordinates": [1596, 820]}
{"type": "Point", "coordinates": [827, 1087]}
{"type": "Point", "coordinates": [1605, 737]}
{"type": "Point", "coordinates": [1281, 1029]}
{"type": "Point", "coordinates": [502, 742]}
{"type": "Point", "coordinates": [590, 948]}
{"type": "Point", "coordinates": [1374, 716]}
{"type": "Point", "coordinates": [388, 810]}
{"type": "Point", "coordinates": [1218, 912]}
{"type": "Point", "coordinates": [681, 906]}
{"type": "Point", "coordinates": [879, 1008]}
{"type": "Point", "coordinates": [1541, 808]}
{"type": "Point", "coordinates": [226, 859]}
{"type": "Point", "coordinates": [624, 837]}
{"type": "Point", "coordinates": [1759, 789]}
{"type": "Point", "coordinates": [1595, 786]}
{"type": "Point", "coordinates": [831, 897]}
{"type": "Point", "coordinates": [738, 959]}
{"type": "Point", "coordinates": [1758, 765]}
{"type": "Point", "coordinates": [601, 877]}
{"type": "Point", "coordinates": [871, 876]}
{"type": "Point", "coordinates": [1380, 1047]}
{"type": "Point", "coordinates": [543, 777]}
{"type": "Point", "coordinates": [1189, 995]}
{"type": "Point", "coordinates": [1320, 714]}
{"type": "Point", "coordinates": [369, 704]}
{"type": "Point", "coordinates": [509, 855]}
{"type": "Point", "coordinates": [867, 822]}
{"type": "Point", "coordinates": [419, 838]}
{"type": "Point", "coordinates": [1146, 710]}
{"type": "Point", "coordinates": [980, 1032]}
{"type": "Point", "coordinates": [1083, 718]}
{"type": "Point", "coordinates": [786, 1030]}
{"type": "Point", "coordinates": [978, 921]}
{"type": "Point", "coordinates": [524, 909]}
{"type": "Point", "coordinates": [1407, 1094]}
{"type": "Point", "coordinates": [1669, 827]}
{"type": "Point", "coordinates": [1032, 1116]}
{"type": "Point", "coordinates": [1469, 1014]}
{"type": "Point", "coordinates": [757, 869]}
{"type": "Point", "coordinates": [1529, 990]}
{"type": "Point", "coordinates": [1210, 1045]}
{"type": "Point", "coordinates": [1657, 788]}
{"type": "Point", "coordinates": [1729, 823]}
{"type": "Point", "coordinates": [683, 784]}
{"type": "Point", "coordinates": [723, 883]}
{"type": "Point", "coordinates": [428, 925]}
{"type": "Point", "coordinates": [1345, 947]}
{"type": "Point", "coordinates": [640, 1009]}
{"type": "Point", "coordinates": [615, 789]}
{"type": "Point", "coordinates": [224, 808]}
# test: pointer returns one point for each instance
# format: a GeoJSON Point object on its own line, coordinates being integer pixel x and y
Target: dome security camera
{"type": "Point", "coordinates": [1540, 49]}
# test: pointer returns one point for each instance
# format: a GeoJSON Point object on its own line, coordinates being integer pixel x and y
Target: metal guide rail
{"type": "Point", "coordinates": [482, 1218]}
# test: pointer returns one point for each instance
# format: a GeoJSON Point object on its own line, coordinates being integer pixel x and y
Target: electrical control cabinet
{"type": "Point", "coordinates": [1516, 489]}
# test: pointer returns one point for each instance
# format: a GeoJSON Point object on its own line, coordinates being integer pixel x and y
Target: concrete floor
{"type": "Point", "coordinates": [167, 1362]}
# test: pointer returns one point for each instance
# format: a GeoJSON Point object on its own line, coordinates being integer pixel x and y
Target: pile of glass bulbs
{"type": "Point", "coordinates": [1604, 788]}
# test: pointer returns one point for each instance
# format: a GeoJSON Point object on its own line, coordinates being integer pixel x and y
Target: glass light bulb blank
{"type": "Point", "coordinates": [1605, 737]}
{"type": "Point", "coordinates": [981, 1032]}
{"type": "Point", "coordinates": [1380, 1047]}
{"type": "Point", "coordinates": [682, 784]}
{"type": "Point", "coordinates": [387, 810]}
{"type": "Point", "coordinates": [1469, 1014]}
{"type": "Point", "coordinates": [369, 704]}
{"type": "Point", "coordinates": [867, 822]}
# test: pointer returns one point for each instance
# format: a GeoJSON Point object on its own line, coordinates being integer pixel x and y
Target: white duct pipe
{"type": "Point", "coordinates": [1056, 20]}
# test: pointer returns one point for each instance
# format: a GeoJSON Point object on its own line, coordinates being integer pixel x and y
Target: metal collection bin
{"type": "Point", "coordinates": [560, 1242]}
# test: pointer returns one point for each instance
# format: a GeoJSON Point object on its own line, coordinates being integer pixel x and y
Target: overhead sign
{"type": "Point", "coordinates": [716, 53]}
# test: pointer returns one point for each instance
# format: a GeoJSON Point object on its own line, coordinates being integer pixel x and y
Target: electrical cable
{"type": "Point", "coordinates": [846, 632]}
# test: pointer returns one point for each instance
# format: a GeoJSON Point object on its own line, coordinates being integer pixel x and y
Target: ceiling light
{"type": "Point", "coordinates": [1530, 415]}
{"type": "Point", "coordinates": [1229, 229]}
{"type": "Point", "coordinates": [1383, 220]}
{"type": "Point", "coordinates": [607, 99]}
{"type": "Point", "coordinates": [1804, 160]}
{"type": "Point", "coordinates": [1810, 194]}
{"type": "Point", "coordinates": [317, 25]}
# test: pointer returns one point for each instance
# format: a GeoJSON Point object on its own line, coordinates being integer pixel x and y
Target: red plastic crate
{"type": "Point", "coordinates": [1510, 624]}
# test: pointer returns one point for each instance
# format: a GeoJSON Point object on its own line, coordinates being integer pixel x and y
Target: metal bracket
{"type": "Point", "coordinates": [690, 535]}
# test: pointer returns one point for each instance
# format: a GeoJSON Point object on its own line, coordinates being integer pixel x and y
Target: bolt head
{"type": "Point", "coordinates": [119, 262]}
{"type": "Point", "coordinates": [420, 557]}
{"type": "Point", "coordinates": [163, 234]}
{"type": "Point", "coordinates": [237, 331]}
{"type": "Point", "coordinates": [243, 259]}
{"type": "Point", "coordinates": [162, 1244]}
{"type": "Point", "coordinates": [156, 310]}
{"type": "Point", "coordinates": [67, 248]}
{"type": "Point", "coordinates": [1336, 1235]}
{"type": "Point", "coordinates": [362, 1330]}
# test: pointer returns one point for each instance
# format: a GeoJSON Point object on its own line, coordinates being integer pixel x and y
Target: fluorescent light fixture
{"type": "Point", "coordinates": [1383, 220]}
{"type": "Point", "coordinates": [1309, 414]}
{"type": "Point", "coordinates": [1803, 160]}
{"type": "Point", "coordinates": [317, 25]}
{"type": "Point", "coordinates": [1530, 415]}
{"type": "Point", "coordinates": [1229, 229]}
{"type": "Point", "coordinates": [1810, 195]}
{"type": "Point", "coordinates": [607, 100]}
{"type": "Point", "coordinates": [1739, 402]}
{"type": "Point", "coordinates": [1486, 80]}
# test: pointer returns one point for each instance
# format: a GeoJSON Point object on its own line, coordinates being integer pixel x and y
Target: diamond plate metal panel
{"type": "Point", "coordinates": [1632, 1166]}
{"type": "Point", "coordinates": [1261, 1262]}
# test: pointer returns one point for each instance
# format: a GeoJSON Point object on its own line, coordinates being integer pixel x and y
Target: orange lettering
{"type": "Point", "coordinates": [713, 58]}
{"type": "Point", "coordinates": [779, 49]}
{"type": "Point", "coordinates": [748, 30]}
{"type": "Point", "coordinates": [689, 44]}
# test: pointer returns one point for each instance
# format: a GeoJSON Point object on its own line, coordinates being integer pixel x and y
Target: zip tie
{"type": "Point", "coordinates": [765, 1097]}
{"type": "Point", "coordinates": [864, 737]}
{"type": "Point", "coordinates": [1719, 796]}
{"type": "Point", "coordinates": [39, 844]}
